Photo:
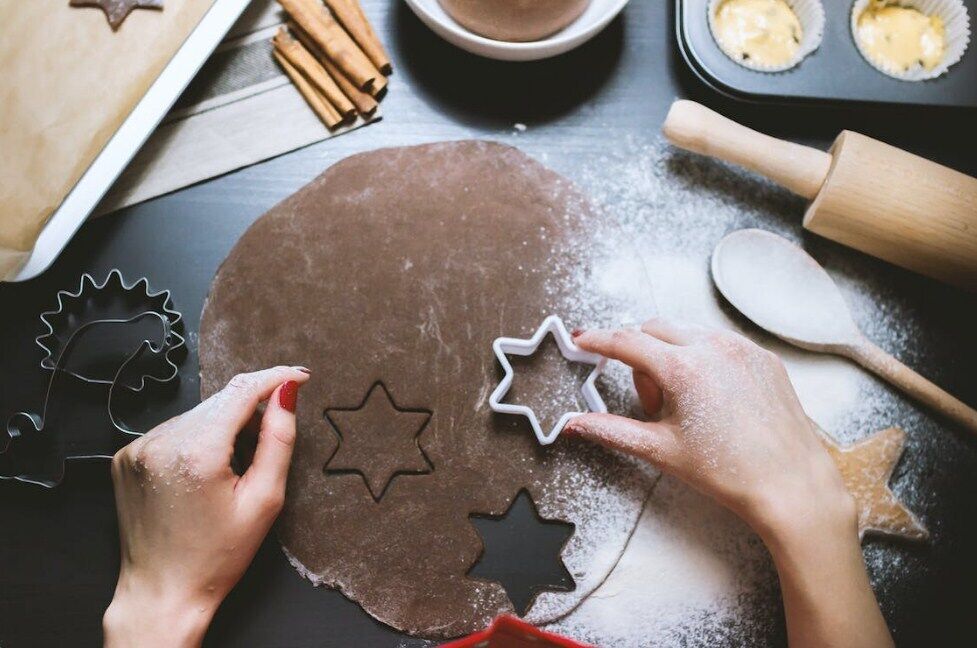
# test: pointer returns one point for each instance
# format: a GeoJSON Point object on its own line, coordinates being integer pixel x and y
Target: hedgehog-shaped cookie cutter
{"type": "Point", "coordinates": [34, 452]}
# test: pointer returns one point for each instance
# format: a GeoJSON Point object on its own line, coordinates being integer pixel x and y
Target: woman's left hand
{"type": "Point", "coordinates": [189, 526]}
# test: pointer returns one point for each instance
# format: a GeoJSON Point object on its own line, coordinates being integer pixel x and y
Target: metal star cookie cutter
{"type": "Point", "coordinates": [67, 324]}
{"type": "Point", "coordinates": [504, 346]}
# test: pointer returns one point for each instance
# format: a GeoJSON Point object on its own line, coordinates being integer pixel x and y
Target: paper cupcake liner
{"type": "Point", "coordinates": [810, 13]}
{"type": "Point", "coordinates": [955, 21]}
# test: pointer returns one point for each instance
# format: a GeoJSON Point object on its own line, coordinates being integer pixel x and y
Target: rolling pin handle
{"type": "Point", "coordinates": [692, 126]}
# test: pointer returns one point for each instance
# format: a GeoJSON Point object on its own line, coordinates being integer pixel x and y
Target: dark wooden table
{"type": "Point", "coordinates": [58, 549]}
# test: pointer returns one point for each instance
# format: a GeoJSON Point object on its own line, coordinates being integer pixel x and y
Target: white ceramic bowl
{"type": "Point", "coordinates": [594, 18]}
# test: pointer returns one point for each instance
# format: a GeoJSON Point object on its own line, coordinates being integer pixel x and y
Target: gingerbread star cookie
{"type": "Point", "coordinates": [866, 467]}
{"type": "Point", "coordinates": [117, 10]}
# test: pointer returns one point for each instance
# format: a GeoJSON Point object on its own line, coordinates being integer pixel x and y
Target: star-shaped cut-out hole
{"type": "Point", "coordinates": [548, 383]}
{"type": "Point", "coordinates": [521, 551]}
{"type": "Point", "coordinates": [117, 10]}
{"type": "Point", "coordinates": [378, 440]}
{"type": "Point", "coordinates": [866, 467]}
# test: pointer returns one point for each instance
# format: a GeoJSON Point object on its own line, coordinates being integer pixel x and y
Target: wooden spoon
{"type": "Point", "coordinates": [783, 290]}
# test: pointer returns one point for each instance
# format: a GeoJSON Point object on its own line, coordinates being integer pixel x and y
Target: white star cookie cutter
{"type": "Point", "coordinates": [504, 346]}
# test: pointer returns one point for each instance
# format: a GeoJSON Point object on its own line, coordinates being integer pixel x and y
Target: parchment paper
{"type": "Point", "coordinates": [68, 82]}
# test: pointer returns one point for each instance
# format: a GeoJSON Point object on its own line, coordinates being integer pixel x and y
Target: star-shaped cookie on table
{"type": "Point", "coordinates": [378, 440]}
{"type": "Point", "coordinates": [521, 551]}
{"type": "Point", "coordinates": [866, 467]}
{"type": "Point", "coordinates": [117, 10]}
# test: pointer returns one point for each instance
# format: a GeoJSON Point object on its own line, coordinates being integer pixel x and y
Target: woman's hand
{"type": "Point", "coordinates": [189, 526]}
{"type": "Point", "coordinates": [727, 421]}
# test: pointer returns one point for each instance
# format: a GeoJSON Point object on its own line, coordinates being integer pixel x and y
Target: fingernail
{"type": "Point", "coordinates": [304, 370]}
{"type": "Point", "coordinates": [577, 332]}
{"type": "Point", "coordinates": [571, 429]}
{"type": "Point", "coordinates": [288, 395]}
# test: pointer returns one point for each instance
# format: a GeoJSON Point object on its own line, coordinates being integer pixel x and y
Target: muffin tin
{"type": "Point", "coordinates": [835, 72]}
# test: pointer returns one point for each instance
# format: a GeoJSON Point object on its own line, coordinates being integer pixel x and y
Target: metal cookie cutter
{"type": "Point", "coordinates": [112, 301]}
{"type": "Point", "coordinates": [514, 346]}
{"type": "Point", "coordinates": [37, 450]}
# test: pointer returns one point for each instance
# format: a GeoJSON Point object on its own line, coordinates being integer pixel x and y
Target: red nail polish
{"type": "Point", "coordinates": [288, 395]}
{"type": "Point", "coordinates": [577, 332]}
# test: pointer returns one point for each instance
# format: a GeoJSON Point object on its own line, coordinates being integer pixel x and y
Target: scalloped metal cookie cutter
{"type": "Point", "coordinates": [155, 304]}
{"type": "Point", "coordinates": [504, 346]}
{"type": "Point", "coordinates": [158, 302]}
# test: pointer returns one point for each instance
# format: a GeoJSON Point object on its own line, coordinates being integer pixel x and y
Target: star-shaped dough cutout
{"type": "Point", "coordinates": [117, 10]}
{"type": "Point", "coordinates": [521, 551]}
{"type": "Point", "coordinates": [503, 347]}
{"type": "Point", "coordinates": [548, 383]}
{"type": "Point", "coordinates": [866, 467]}
{"type": "Point", "coordinates": [379, 440]}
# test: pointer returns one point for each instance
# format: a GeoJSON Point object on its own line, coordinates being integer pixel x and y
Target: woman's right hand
{"type": "Point", "coordinates": [728, 423]}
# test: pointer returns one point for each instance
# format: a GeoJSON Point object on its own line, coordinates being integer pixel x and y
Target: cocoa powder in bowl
{"type": "Point", "coordinates": [514, 20]}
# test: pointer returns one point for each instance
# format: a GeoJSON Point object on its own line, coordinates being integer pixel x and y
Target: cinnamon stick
{"type": "Point", "coordinates": [313, 17]}
{"type": "Point", "coordinates": [329, 115]}
{"type": "Point", "coordinates": [350, 15]}
{"type": "Point", "coordinates": [379, 81]}
{"type": "Point", "coordinates": [364, 102]}
{"type": "Point", "coordinates": [305, 63]}
{"type": "Point", "coordinates": [377, 87]}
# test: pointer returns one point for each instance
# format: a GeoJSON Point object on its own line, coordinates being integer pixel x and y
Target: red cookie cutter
{"type": "Point", "coordinates": [510, 632]}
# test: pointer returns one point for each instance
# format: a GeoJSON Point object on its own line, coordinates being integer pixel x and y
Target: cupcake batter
{"type": "Point", "coordinates": [766, 32]}
{"type": "Point", "coordinates": [900, 38]}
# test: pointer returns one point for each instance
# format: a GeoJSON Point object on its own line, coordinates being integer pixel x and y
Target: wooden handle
{"type": "Point", "coordinates": [885, 366]}
{"type": "Point", "coordinates": [694, 127]}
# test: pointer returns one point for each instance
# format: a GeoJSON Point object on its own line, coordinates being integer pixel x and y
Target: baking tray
{"type": "Point", "coordinates": [131, 135]}
{"type": "Point", "coordinates": [833, 73]}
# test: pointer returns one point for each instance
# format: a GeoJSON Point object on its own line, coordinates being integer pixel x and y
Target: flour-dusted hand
{"type": "Point", "coordinates": [189, 525]}
{"type": "Point", "coordinates": [727, 421]}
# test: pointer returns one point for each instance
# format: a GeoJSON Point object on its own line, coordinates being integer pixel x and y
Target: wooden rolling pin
{"type": "Point", "coordinates": [864, 193]}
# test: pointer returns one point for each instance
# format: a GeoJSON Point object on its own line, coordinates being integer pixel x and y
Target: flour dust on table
{"type": "Point", "coordinates": [693, 574]}
{"type": "Point", "coordinates": [399, 267]}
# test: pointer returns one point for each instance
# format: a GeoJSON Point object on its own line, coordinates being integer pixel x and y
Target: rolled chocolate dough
{"type": "Point", "coordinates": [514, 20]}
{"type": "Point", "coordinates": [400, 266]}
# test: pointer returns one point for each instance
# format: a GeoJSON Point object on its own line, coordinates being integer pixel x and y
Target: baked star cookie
{"type": "Point", "coordinates": [866, 467]}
